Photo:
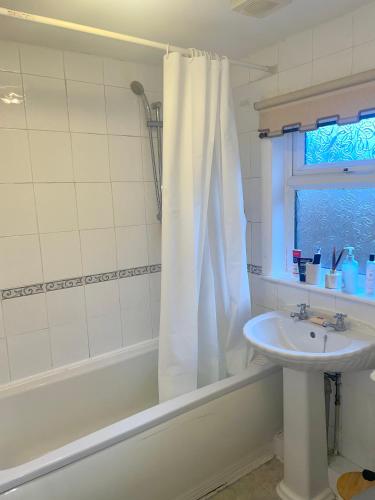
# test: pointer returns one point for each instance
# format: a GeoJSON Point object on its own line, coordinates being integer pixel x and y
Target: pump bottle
{"type": "Point", "coordinates": [350, 269]}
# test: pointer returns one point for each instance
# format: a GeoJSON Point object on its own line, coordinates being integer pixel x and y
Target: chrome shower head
{"type": "Point", "coordinates": [139, 90]}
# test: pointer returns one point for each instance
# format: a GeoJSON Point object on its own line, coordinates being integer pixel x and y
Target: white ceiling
{"type": "Point", "coordinates": [205, 24]}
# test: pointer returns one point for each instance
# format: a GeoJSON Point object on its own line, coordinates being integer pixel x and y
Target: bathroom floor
{"type": "Point", "coordinates": [258, 485]}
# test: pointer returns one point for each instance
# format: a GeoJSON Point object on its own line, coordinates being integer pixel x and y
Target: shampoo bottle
{"type": "Point", "coordinates": [370, 275]}
{"type": "Point", "coordinates": [350, 272]}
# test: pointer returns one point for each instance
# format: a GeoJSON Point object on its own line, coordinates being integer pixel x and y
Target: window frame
{"type": "Point", "coordinates": [360, 174]}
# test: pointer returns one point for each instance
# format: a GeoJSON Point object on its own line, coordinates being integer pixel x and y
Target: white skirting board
{"type": "Point", "coordinates": [231, 474]}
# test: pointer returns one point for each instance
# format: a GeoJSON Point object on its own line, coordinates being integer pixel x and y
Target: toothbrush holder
{"type": "Point", "coordinates": [333, 280]}
{"type": "Point", "coordinates": [313, 273]}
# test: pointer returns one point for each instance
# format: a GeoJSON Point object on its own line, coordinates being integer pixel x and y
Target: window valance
{"type": "Point", "coordinates": [341, 101]}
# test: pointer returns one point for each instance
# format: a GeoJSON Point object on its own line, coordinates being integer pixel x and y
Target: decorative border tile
{"type": "Point", "coordinates": [50, 286]}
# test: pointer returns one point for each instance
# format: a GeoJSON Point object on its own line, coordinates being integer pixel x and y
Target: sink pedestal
{"type": "Point", "coordinates": [305, 443]}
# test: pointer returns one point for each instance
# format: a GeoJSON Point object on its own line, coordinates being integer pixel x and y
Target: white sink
{"type": "Point", "coordinates": [306, 351]}
{"type": "Point", "coordinates": [302, 345]}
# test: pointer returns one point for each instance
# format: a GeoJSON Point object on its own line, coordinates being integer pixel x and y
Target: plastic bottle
{"type": "Point", "coordinates": [350, 269]}
{"type": "Point", "coordinates": [370, 275]}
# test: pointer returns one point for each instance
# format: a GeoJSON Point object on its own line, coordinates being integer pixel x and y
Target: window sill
{"type": "Point", "coordinates": [287, 279]}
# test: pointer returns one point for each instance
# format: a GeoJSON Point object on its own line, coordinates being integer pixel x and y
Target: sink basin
{"type": "Point", "coordinates": [306, 351]}
{"type": "Point", "coordinates": [302, 345]}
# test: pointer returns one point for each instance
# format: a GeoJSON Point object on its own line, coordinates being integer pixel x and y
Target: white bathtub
{"type": "Point", "coordinates": [94, 431]}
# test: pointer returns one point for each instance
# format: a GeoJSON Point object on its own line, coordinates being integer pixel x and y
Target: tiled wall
{"type": "Point", "coordinates": [76, 199]}
{"type": "Point", "coordinates": [341, 47]}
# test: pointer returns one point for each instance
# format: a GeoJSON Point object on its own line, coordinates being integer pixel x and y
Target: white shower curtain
{"type": "Point", "coordinates": [205, 298]}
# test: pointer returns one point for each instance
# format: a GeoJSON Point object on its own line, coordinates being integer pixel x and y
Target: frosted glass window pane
{"type": "Point", "coordinates": [334, 143]}
{"type": "Point", "coordinates": [336, 217]}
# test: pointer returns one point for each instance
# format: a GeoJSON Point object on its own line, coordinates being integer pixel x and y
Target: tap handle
{"type": "Point", "coordinates": [340, 316]}
{"type": "Point", "coordinates": [303, 306]}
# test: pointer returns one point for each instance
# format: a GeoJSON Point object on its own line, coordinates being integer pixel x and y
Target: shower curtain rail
{"type": "Point", "coordinates": [59, 23]}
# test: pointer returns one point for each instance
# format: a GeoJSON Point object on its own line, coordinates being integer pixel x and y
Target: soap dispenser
{"type": "Point", "coordinates": [350, 269]}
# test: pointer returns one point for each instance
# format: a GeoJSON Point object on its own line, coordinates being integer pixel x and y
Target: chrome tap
{"type": "Point", "coordinates": [302, 314]}
{"type": "Point", "coordinates": [340, 325]}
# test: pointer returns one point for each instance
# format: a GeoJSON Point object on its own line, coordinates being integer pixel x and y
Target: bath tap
{"type": "Point", "coordinates": [340, 325]}
{"type": "Point", "coordinates": [302, 314]}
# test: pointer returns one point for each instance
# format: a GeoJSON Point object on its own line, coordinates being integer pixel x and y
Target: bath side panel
{"type": "Point", "coordinates": [171, 459]}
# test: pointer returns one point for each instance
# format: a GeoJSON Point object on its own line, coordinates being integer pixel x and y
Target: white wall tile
{"type": "Point", "coordinates": [125, 158]}
{"type": "Point", "coordinates": [51, 156]}
{"type": "Point", "coordinates": [45, 103]}
{"type": "Point", "coordinates": [94, 201]}
{"type": "Point", "coordinates": [25, 314]}
{"type": "Point", "coordinates": [2, 327]}
{"type": "Point", "coordinates": [15, 161]}
{"type": "Point", "coordinates": [90, 157]}
{"type": "Point", "coordinates": [151, 76]}
{"type": "Point", "coordinates": [244, 147]}
{"type": "Point", "coordinates": [256, 244]}
{"type": "Point", "coordinates": [253, 199]}
{"type": "Point", "coordinates": [66, 306]}
{"type": "Point", "coordinates": [83, 67]}
{"type": "Point", "coordinates": [9, 56]}
{"type": "Point", "coordinates": [289, 296]}
{"type": "Point", "coordinates": [11, 115]}
{"type": "Point", "coordinates": [155, 286]}
{"type": "Point", "coordinates": [29, 353]}
{"type": "Point", "coordinates": [134, 292]}
{"type": "Point", "coordinates": [20, 261]}
{"type": "Point", "coordinates": [249, 240]}
{"type": "Point", "coordinates": [333, 36]}
{"type": "Point", "coordinates": [155, 318]}
{"type": "Point", "coordinates": [102, 299]}
{"type": "Point", "coordinates": [98, 250]}
{"type": "Point", "coordinates": [86, 107]}
{"type": "Point", "coordinates": [333, 66]}
{"type": "Point", "coordinates": [137, 326]}
{"type": "Point", "coordinates": [122, 111]}
{"type": "Point", "coordinates": [321, 301]}
{"type": "Point", "coordinates": [128, 203]}
{"type": "Point", "coordinates": [263, 292]}
{"type": "Point", "coordinates": [131, 246]}
{"type": "Point", "coordinates": [4, 364]}
{"type": "Point", "coordinates": [361, 312]}
{"type": "Point", "coordinates": [61, 255]}
{"type": "Point", "coordinates": [255, 159]}
{"type": "Point", "coordinates": [363, 24]}
{"type": "Point", "coordinates": [56, 207]}
{"type": "Point", "coordinates": [295, 50]}
{"type": "Point", "coordinates": [295, 79]}
{"type": "Point", "coordinates": [119, 73]}
{"type": "Point", "coordinates": [363, 57]}
{"type": "Point", "coordinates": [17, 210]}
{"type": "Point", "coordinates": [154, 243]}
{"type": "Point", "coordinates": [105, 333]}
{"type": "Point", "coordinates": [69, 343]}
{"type": "Point", "coordinates": [41, 61]}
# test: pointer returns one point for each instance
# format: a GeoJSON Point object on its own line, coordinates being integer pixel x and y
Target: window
{"type": "Point", "coordinates": [335, 217]}
{"type": "Point", "coordinates": [340, 143]}
{"type": "Point", "coordinates": [331, 190]}
{"type": "Point", "coordinates": [336, 148]}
